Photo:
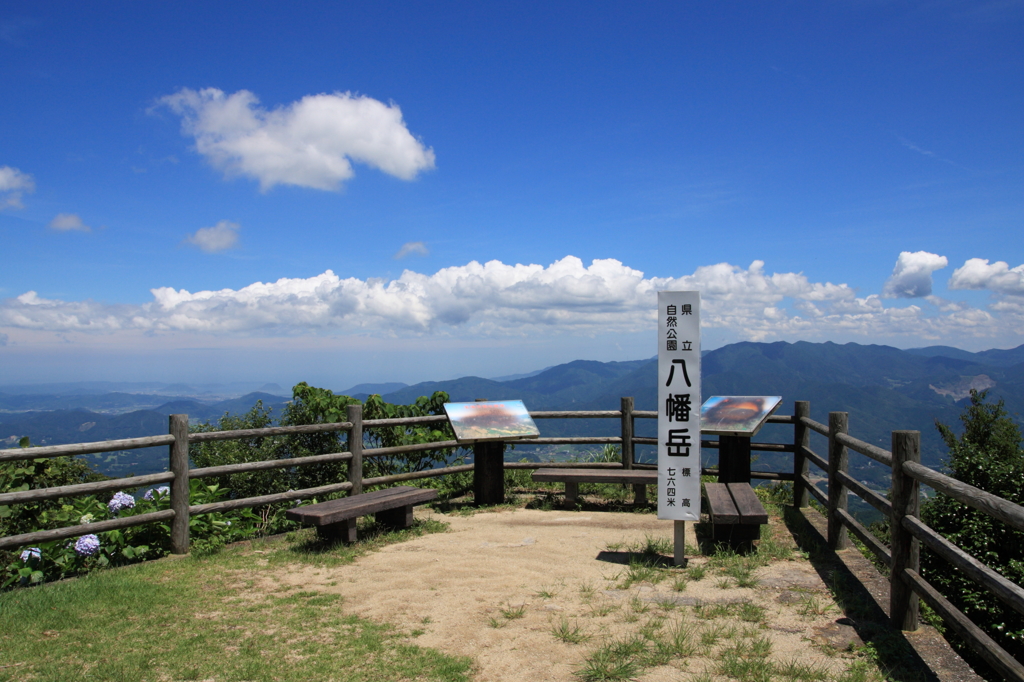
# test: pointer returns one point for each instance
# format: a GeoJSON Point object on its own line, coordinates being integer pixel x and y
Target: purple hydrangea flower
{"type": "Point", "coordinates": [30, 554]}
{"type": "Point", "coordinates": [87, 545]}
{"type": "Point", "coordinates": [120, 501]}
{"type": "Point", "coordinates": [154, 492]}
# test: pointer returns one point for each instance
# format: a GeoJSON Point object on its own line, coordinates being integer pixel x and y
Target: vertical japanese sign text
{"type": "Point", "coordinates": [679, 405]}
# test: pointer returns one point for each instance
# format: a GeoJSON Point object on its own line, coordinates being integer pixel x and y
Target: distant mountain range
{"type": "Point", "coordinates": [882, 388]}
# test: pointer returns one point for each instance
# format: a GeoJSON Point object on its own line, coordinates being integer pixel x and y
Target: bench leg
{"type": "Point", "coordinates": [342, 530]}
{"type": "Point", "coordinates": [639, 494]}
{"type": "Point", "coordinates": [572, 491]}
{"type": "Point", "coordinates": [739, 536]}
{"type": "Point", "coordinates": [400, 517]}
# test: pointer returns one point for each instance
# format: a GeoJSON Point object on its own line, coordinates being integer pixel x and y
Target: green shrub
{"type": "Point", "coordinates": [59, 559]}
{"type": "Point", "coordinates": [988, 455]}
{"type": "Point", "coordinates": [311, 405]}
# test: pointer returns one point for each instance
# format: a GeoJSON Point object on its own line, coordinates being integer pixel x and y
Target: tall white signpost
{"type": "Point", "coordinates": [679, 411]}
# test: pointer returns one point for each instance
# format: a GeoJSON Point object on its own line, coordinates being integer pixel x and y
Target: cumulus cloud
{"type": "Point", "coordinates": [999, 277]}
{"type": "Point", "coordinates": [13, 185]}
{"type": "Point", "coordinates": [495, 299]}
{"type": "Point", "coordinates": [912, 275]}
{"type": "Point", "coordinates": [68, 222]}
{"type": "Point", "coordinates": [410, 248]}
{"type": "Point", "coordinates": [220, 237]}
{"type": "Point", "coordinates": [308, 143]}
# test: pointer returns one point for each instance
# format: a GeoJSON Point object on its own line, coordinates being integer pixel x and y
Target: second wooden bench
{"type": "Point", "coordinates": [336, 519]}
{"type": "Point", "coordinates": [638, 478]}
{"type": "Point", "coordinates": [736, 513]}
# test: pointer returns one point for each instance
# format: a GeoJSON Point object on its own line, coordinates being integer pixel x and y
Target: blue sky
{"type": "Point", "coordinates": [343, 192]}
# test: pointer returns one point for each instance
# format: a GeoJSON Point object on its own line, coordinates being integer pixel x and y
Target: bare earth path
{"type": "Point", "coordinates": [454, 592]}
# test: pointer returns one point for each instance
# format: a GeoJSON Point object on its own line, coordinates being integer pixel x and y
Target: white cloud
{"type": "Point", "coordinates": [13, 185]}
{"type": "Point", "coordinates": [497, 300]}
{"type": "Point", "coordinates": [410, 248]}
{"type": "Point", "coordinates": [308, 143]}
{"type": "Point", "coordinates": [67, 222]}
{"type": "Point", "coordinates": [999, 277]}
{"type": "Point", "coordinates": [912, 275]}
{"type": "Point", "coordinates": [220, 237]}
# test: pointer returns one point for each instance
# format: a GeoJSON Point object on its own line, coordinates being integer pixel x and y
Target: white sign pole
{"type": "Point", "coordinates": [679, 404]}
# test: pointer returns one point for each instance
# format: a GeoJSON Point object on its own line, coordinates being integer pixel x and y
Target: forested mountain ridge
{"type": "Point", "coordinates": [881, 387]}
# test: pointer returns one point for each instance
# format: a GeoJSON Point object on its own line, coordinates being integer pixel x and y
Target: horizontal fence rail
{"type": "Point", "coordinates": [996, 507]}
{"type": "Point", "coordinates": [266, 432]}
{"type": "Point", "coordinates": [901, 508]}
{"type": "Point", "coordinates": [17, 454]}
{"type": "Point", "coordinates": [84, 529]}
{"type": "Point", "coordinates": [907, 530]}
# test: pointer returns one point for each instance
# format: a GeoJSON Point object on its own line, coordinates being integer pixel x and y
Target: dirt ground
{"type": "Point", "coordinates": [461, 592]}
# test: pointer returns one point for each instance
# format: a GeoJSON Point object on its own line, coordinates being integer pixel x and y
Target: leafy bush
{"type": "Point", "coordinates": [271, 518]}
{"type": "Point", "coordinates": [311, 405]}
{"type": "Point", "coordinates": [58, 559]}
{"type": "Point", "coordinates": [39, 473]}
{"type": "Point", "coordinates": [988, 456]}
{"type": "Point", "coordinates": [209, 532]}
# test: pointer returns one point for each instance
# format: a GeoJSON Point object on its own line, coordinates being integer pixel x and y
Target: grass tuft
{"type": "Point", "coordinates": [570, 634]}
{"type": "Point", "coordinates": [513, 612]}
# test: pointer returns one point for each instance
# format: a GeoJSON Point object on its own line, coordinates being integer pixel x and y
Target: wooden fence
{"type": "Point", "coordinates": [907, 530]}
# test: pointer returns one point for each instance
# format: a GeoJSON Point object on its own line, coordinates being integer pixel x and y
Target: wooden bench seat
{"type": "Point", "coordinates": [736, 513]}
{"type": "Point", "coordinates": [336, 519]}
{"type": "Point", "coordinates": [638, 478]}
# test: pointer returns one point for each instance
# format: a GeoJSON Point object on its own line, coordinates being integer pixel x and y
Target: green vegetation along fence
{"type": "Point", "coordinates": [901, 556]}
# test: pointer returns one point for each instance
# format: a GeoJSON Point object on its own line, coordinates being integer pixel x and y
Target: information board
{"type": "Point", "coordinates": [679, 405]}
{"type": "Point", "coordinates": [737, 415]}
{"type": "Point", "coordinates": [482, 421]}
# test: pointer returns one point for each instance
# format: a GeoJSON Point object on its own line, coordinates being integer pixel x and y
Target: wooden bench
{"type": "Point", "coordinates": [736, 513]}
{"type": "Point", "coordinates": [336, 519]}
{"type": "Point", "coordinates": [638, 478]}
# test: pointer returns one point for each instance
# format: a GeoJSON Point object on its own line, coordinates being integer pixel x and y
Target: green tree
{"type": "Point", "coordinates": [311, 405]}
{"type": "Point", "coordinates": [253, 449]}
{"type": "Point", "coordinates": [988, 455]}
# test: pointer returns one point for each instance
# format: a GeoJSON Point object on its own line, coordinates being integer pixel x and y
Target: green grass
{"type": "Point", "coordinates": [189, 619]}
{"type": "Point", "coordinates": [640, 572]}
{"type": "Point", "coordinates": [587, 592]}
{"type": "Point", "coordinates": [606, 664]}
{"type": "Point", "coordinates": [510, 612]}
{"type": "Point", "coordinates": [570, 634]}
{"type": "Point", "coordinates": [696, 573]}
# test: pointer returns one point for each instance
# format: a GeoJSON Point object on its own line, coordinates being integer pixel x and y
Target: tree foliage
{"type": "Point", "coordinates": [253, 449]}
{"type": "Point", "coordinates": [31, 474]}
{"type": "Point", "coordinates": [987, 455]}
{"type": "Point", "coordinates": [311, 405]}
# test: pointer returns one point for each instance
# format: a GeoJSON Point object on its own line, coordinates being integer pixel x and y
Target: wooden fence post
{"type": "Point", "coordinates": [838, 422]}
{"type": "Point", "coordinates": [354, 413]}
{"type": "Point", "coordinates": [627, 433]}
{"type": "Point", "coordinates": [904, 603]}
{"type": "Point", "coordinates": [628, 454]}
{"type": "Point", "coordinates": [801, 439]}
{"type": "Point", "coordinates": [178, 427]}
